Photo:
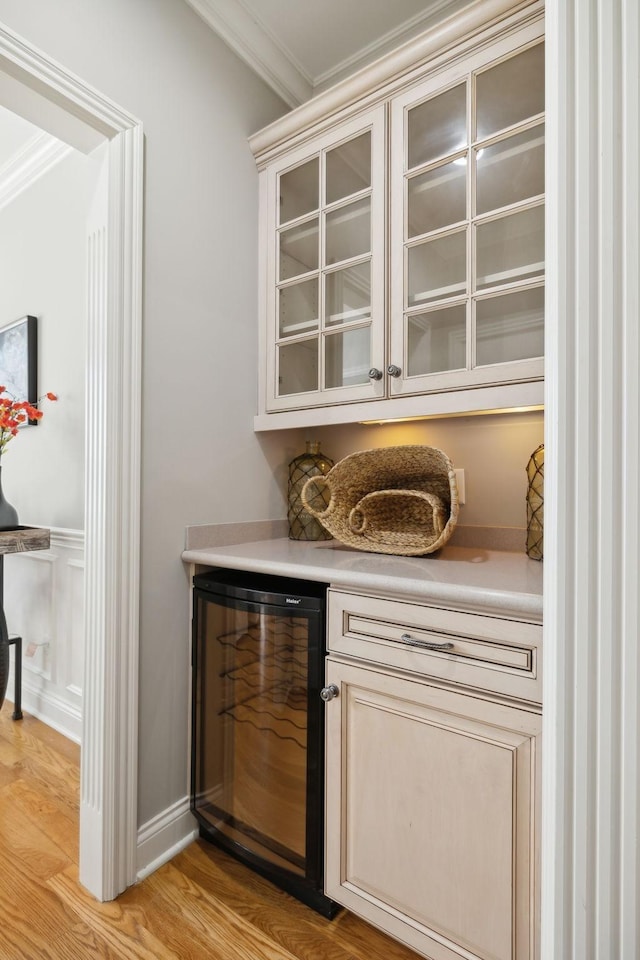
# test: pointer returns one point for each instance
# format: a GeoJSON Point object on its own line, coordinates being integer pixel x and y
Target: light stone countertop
{"type": "Point", "coordinates": [486, 581]}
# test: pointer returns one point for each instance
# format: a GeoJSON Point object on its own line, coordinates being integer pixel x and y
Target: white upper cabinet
{"type": "Point", "coordinates": [402, 240]}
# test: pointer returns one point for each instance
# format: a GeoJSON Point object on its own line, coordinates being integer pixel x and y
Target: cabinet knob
{"type": "Point", "coordinates": [328, 693]}
{"type": "Point", "coordinates": [375, 374]}
{"type": "Point", "coordinates": [393, 371]}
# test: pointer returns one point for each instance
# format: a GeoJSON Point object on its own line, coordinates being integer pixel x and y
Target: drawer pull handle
{"type": "Point", "coordinates": [328, 693]}
{"type": "Point", "coordinates": [426, 644]}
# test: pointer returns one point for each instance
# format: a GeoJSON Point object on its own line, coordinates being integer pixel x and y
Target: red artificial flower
{"type": "Point", "coordinates": [15, 412]}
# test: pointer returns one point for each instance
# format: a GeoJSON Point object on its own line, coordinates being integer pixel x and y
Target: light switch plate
{"type": "Point", "coordinates": [461, 488]}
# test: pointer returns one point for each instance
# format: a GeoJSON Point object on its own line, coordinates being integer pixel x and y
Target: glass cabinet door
{"type": "Point", "coordinates": [328, 218]}
{"type": "Point", "coordinates": [467, 229]}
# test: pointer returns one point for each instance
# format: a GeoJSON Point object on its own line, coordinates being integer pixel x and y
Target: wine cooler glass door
{"type": "Point", "coordinates": [254, 764]}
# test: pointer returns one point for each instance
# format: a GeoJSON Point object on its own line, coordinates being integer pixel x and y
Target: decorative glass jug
{"type": "Point", "coordinates": [302, 525]}
{"type": "Point", "coordinates": [535, 503]}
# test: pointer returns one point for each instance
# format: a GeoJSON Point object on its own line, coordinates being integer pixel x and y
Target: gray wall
{"type": "Point", "coordinates": [493, 450]}
{"type": "Point", "coordinates": [201, 462]}
{"type": "Point", "coordinates": [200, 459]}
{"type": "Point", "coordinates": [43, 273]}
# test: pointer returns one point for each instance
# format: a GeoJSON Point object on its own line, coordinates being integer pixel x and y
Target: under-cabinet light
{"type": "Point", "coordinates": [448, 416]}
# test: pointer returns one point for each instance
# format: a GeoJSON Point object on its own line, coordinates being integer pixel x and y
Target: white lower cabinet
{"type": "Point", "coordinates": [433, 800]}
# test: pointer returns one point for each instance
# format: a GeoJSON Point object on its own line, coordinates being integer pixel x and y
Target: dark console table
{"type": "Point", "coordinates": [16, 540]}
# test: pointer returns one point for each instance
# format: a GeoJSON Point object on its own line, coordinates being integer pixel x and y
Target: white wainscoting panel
{"type": "Point", "coordinates": [44, 604]}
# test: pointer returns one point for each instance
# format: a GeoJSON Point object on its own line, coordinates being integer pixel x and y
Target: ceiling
{"type": "Point", "coordinates": [299, 48]}
{"type": "Point", "coordinates": [26, 153]}
{"type": "Point", "coordinates": [15, 134]}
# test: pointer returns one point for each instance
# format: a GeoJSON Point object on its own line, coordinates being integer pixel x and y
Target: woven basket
{"type": "Point", "coordinates": [396, 500]}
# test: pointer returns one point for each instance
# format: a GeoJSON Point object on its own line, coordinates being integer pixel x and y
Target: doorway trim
{"type": "Point", "coordinates": [47, 94]}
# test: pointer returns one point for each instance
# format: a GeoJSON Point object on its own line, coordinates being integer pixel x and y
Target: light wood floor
{"type": "Point", "coordinates": [200, 905]}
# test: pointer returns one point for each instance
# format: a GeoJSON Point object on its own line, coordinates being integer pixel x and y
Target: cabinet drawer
{"type": "Point", "coordinates": [503, 656]}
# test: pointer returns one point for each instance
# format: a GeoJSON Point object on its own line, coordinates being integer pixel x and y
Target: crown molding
{"type": "Point", "coordinates": [390, 72]}
{"type": "Point", "coordinates": [256, 44]}
{"type": "Point", "coordinates": [250, 40]}
{"type": "Point", "coordinates": [39, 155]}
{"type": "Point", "coordinates": [436, 11]}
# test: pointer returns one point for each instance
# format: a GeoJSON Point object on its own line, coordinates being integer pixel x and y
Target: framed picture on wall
{"type": "Point", "coordinates": [19, 359]}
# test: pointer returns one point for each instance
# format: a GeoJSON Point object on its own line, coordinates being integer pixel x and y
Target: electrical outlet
{"type": "Point", "coordinates": [461, 489]}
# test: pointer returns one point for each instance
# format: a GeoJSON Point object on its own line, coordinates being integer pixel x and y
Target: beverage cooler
{"type": "Point", "coordinates": [257, 759]}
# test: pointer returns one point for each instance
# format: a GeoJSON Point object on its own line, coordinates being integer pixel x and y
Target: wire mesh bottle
{"type": "Point", "coordinates": [535, 503]}
{"type": "Point", "coordinates": [312, 463]}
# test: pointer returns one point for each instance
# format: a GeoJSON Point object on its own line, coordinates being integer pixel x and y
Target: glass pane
{"type": "Point", "coordinates": [510, 248]}
{"type": "Point", "coordinates": [438, 126]}
{"type": "Point", "coordinates": [438, 268]}
{"type": "Point", "coordinates": [437, 199]}
{"type": "Point", "coordinates": [298, 367]}
{"type": "Point", "coordinates": [299, 249]}
{"type": "Point", "coordinates": [511, 170]}
{"type": "Point", "coordinates": [299, 192]}
{"type": "Point", "coordinates": [348, 232]}
{"type": "Point", "coordinates": [511, 92]}
{"type": "Point", "coordinates": [347, 358]}
{"type": "Point", "coordinates": [298, 308]}
{"type": "Point", "coordinates": [349, 168]}
{"type": "Point", "coordinates": [348, 294]}
{"type": "Point", "coordinates": [510, 327]}
{"type": "Point", "coordinates": [251, 729]}
{"type": "Point", "coordinates": [437, 341]}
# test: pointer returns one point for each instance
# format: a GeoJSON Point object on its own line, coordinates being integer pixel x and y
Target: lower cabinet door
{"type": "Point", "coordinates": [433, 801]}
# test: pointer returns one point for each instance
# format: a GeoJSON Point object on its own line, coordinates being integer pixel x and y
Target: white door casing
{"type": "Point", "coordinates": [36, 87]}
{"type": "Point", "coordinates": [591, 728]}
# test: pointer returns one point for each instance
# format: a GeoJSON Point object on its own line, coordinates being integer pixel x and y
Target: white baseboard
{"type": "Point", "coordinates": [52, 710]}
{"type": "Point", "coordinates": [164, 836]}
